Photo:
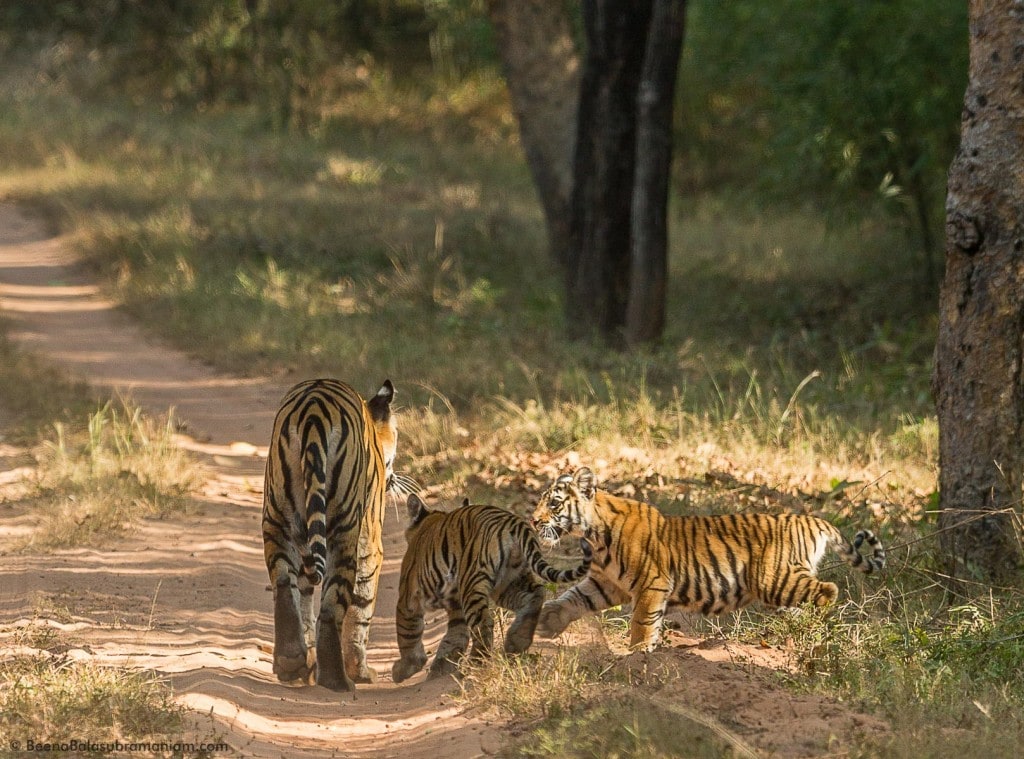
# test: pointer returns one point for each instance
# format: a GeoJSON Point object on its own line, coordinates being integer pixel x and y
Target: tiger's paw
{"type": "Point", "coordinates": [337, 681]}
{"type": "Point", "coordinates": [364, 674]}
{"type": "Point", "coordinates": [442, 668]}
{"type": "Point", "coordinates": [552, 621]}
{"type": "Point", "coordinates": [300, 666]}
{"type": "Point", "coordinates": [403, 669]}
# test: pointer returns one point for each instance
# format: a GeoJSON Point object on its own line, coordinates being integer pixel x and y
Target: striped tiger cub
{"type": "Point", "coordinates": [710, 564]}
{"type": "Point", "coordinates": [464, 561]}
{"type": "Point", "coordinates": [329, 464]}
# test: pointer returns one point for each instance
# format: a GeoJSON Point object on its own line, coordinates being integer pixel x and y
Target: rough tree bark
{"type": "Point", "coordinates": [648, 279]}
{"type": "Point", "coordinates": [606, 211]}
{"type": "Point", "coordinates": [542, 72]}
{"type": "Point", "coordinates": [598, 270]}
{"type": "Point", "coordinates": [979, 378]}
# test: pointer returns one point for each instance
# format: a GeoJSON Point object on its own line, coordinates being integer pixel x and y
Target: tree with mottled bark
{"type": "Point", "coordinates": [601, 167]}
{"type": "Point", "coordinates": [542, 72]}
{"type": "Point", "coordinates": [648, 277]}
{"type": "Point", "coordinates": [617, 271]}
{"type": "Point", "coordinates": [979, 355]}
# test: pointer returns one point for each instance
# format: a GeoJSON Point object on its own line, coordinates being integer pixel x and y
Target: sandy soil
{"type": "Point", "coordinates": [188, 596]}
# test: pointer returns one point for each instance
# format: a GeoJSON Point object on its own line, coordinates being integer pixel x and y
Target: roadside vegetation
{"type": "Point", "coordinates": [48, 696]}
{"type": "Point", "coordinates": [98, 467]}
{"type": "Point", "coordinates": [396, 234]}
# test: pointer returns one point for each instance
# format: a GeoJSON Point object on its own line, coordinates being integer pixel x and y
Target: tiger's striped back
{"type": "Point", "coordinates": [329, 465]}
{"type": "Point", "coordinates": [710, 564]}
{"type": "Point", "coordinates": [465, 560]}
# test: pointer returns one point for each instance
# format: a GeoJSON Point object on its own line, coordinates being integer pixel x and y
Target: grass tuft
{"type": "Point", "coordinates": [51, 697]}
{"type": "Point", "coordinates": [96, 483]}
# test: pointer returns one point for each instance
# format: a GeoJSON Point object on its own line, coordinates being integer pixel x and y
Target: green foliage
{"type": "Point", "coordinates": [843, 101]}
{"type": "Point", "coordinates": [282, 56]}
{"type": "Point", "coordinates": [36, 394]}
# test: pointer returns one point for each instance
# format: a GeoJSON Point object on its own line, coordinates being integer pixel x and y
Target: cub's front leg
{"type": "Point", "coordinates": [592, 594]}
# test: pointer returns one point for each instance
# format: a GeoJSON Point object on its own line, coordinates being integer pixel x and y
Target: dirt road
{"type": "Point", "coordinates": [188, 597]}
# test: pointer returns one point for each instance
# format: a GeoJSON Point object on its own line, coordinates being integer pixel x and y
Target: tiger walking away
{"type": "Point", "coordinates": [466, 561]}
{"type": "Point", "coordinates": [330, 462]}
{"type": "Point", "coordinates": [710, 564]}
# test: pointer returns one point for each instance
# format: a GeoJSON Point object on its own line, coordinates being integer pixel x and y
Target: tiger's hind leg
{"type": "Point", "coordinates": [409, 626]}
{"type": "Point", "coordinates": [479, 618]}
{"type": "Point", "coordinates": [355, 636]}
{"type": "Point", "coordinates": [800, 587]}
{"type": "Point", "coordinates": [525, 597]}
{"type": "Point", "coordinates": [292, 657]}
{"type": "Point", "coordinates": [364, 599]}
{"type": "Point", "coordinates": [335, 600]}
{"type": "Point", "coordinates": [592, 594]}
{"type": "Point", "coordinates": [453, 645]}
{"type": "Point", "coordinates": [471, 621]}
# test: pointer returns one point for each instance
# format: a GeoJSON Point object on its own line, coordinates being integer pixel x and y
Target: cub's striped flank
{"type": "Point", "coordinates": [710, 564]}
{"type": "Point", "coordinates": [464, 561]}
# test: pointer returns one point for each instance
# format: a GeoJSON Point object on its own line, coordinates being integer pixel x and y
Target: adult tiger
{"type": "Point", "coordinates": [463, 561]}
{"type": "Point", "coordinates": [330, 462]}
{"type": "Point", "coordinates": [710, 564]}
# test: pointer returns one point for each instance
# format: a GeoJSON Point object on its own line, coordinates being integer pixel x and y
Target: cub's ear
{"type": "Point", "coordinates": [380, 404]}
{"type": "Point", "coordinates": [585, 482]}
{"type": "Point", "coordinates": [465, 502]}
{"type": "Point", "coordinates": [416, 509]}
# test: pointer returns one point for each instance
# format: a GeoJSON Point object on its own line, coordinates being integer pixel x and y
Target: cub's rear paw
{"type": "Point", "coordinates": [442, 668]}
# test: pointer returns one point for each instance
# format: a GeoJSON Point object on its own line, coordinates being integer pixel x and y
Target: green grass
{"type": "Point", "coordinates": [36, 395]}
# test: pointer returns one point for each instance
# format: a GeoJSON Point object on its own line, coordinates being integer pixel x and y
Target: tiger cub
{"type": "Point", "coordinates": [329, 464]}
{"type": "Point", "coordinates": [710, 564]}
{"type": "Point", "coordinates": [464, 561]}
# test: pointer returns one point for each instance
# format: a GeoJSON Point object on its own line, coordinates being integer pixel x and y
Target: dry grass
{"type": "Point", "coordinates": [49, 695]}
{"type": "Point", "coordinates": [50, 692]}
{"type": "Point", "coordinates": [36, 395]}
{"type": "Point", "coordinates": [94, 484]}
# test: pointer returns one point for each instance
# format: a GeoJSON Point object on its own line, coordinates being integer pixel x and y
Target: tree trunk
{"type": "Point", "coordinates": [979, 380]}
{"type": "Point", "coordinates": [645, 310]}
{"type": "Point", "coordinates": [542, 73]}
{"type": "Point", "coordinates": [598, 269]}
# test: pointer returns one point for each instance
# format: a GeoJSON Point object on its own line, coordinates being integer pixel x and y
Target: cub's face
{"type": "Point", "coordinates": [559, 510]}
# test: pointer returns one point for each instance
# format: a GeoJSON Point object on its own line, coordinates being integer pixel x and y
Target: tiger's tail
{"type": "Point", "coordinates": [852, 555]}
{"type": "Point", "coordinates": [547, 572]}
{"type": "Point", "coordinates": [314, 560]}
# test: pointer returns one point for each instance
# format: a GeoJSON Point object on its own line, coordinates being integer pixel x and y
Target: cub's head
{"type": "Point", "coordinates": [560, 509]}
{"type": "Point", "coordinates": [386, 425]}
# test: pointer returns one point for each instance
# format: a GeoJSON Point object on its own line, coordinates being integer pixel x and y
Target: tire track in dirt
{"type": "Point", "coordinates": [187, 596]}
